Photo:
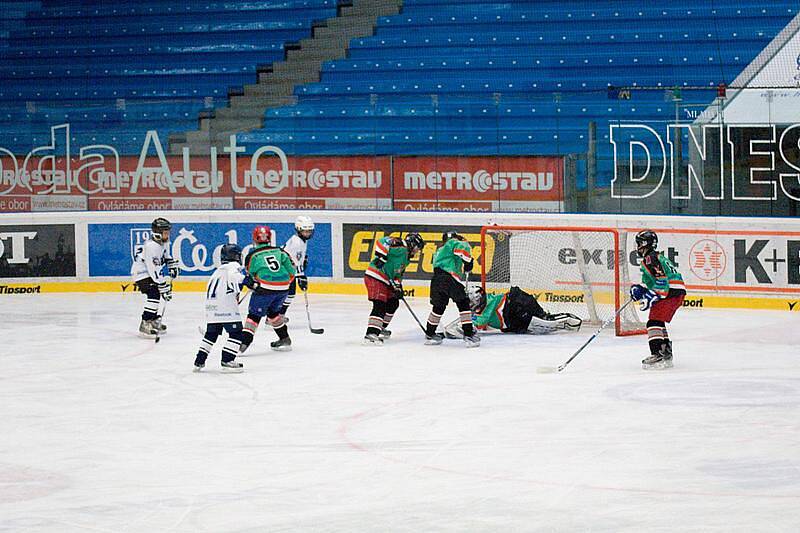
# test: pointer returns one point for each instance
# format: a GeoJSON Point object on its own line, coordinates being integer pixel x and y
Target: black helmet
{"type": "Point", "coordinates": [159, 226]}
{"type": "Point", "coordinates": [414, 241]}
{"type": "Point", "coordinates": [447, 235]}
{"type": "Point", "coordinates": [230, 253]}
{"type": "Point", "coordinates": [646, 242]}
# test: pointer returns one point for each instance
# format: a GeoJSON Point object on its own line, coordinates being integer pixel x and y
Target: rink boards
{"type": "Point", "coordinates": [726, 262]}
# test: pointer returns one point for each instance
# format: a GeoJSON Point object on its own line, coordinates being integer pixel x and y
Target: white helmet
{"type": "Point", "coordinates": [477, 297]}
{"type": "Point", "coordinates": [302, 224]}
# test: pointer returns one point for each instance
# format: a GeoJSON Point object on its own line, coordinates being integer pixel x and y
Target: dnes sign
{"type": "Point", "coordinates": [741, 162]}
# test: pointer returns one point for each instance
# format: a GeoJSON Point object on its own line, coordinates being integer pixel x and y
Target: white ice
{"type": "Point", "coordinates": [103, 431]}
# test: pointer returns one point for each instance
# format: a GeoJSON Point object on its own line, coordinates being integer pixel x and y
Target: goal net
{"type": "Point", "coordinates": [583, 271]}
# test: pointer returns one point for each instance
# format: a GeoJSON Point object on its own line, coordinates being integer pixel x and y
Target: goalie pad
{"type": "Point", "coordinates": [537, 326]}
{"type": "Point", "coordinates": [556, 322]}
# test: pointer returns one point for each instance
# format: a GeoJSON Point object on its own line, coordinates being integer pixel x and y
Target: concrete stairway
{"type": "Point", "coordinates": [276, 82]}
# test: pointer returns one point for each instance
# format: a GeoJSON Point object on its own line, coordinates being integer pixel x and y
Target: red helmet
{"type": "Point", "coordinates": [262, 235]}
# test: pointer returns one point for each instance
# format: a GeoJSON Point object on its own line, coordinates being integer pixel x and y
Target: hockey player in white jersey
{"type": "Point", "coordinates": [296, 247]}
{"type": "Point", "coordinates": [222, 310]}
{"type": "Point", "coordinates": [149, 277]}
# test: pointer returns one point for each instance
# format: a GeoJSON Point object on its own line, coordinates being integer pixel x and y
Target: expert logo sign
{"type": "Point", "coordinates": [707, 260]}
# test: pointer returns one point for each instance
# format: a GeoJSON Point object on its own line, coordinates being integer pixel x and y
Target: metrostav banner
{"type": "Point", "coordinates": [526, 184]}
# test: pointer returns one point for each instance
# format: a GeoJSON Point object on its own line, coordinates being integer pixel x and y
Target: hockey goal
{"type": "Point", "coordinates": [578, 270]}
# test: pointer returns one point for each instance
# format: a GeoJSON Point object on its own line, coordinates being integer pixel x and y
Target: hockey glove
{"type": "Point", "coordinates": [398, 289]}
{"type": "Point", "coordinates": [249, 282]}
{"type": "Point", "coordinates": [468, 266]}
{"type": "Point", "coordinates": [648, 300]}
{"type": "Point", "coordinates": [165, 290]}
{"type": "Point", "coordinates": [638, 292]}
{"type": "Point", "coordinates": [173, 268]}
{"type": "Point", "coordinates": [302, 282]}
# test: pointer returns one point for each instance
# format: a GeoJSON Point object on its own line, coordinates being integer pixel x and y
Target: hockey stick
{"type": "Point", "coordinates": [415, 316]}
{"type": "Point", "coordinates": [316, 331]}
{"type": "Point", "coordinates": [242, 295]}
{"type": "Point", "coordinates": [560, 368]}
{"type": "Point", "coordinates": [158, 332]}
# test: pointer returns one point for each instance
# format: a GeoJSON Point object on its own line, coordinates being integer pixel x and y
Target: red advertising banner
{"type": "Point", "coordinates": [105, 182]}
{"type": "Point", "coordinates": [532, 184]}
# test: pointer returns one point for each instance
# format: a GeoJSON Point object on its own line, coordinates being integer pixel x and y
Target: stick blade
{"type": "Point", "coordinates": [316, 331]}
{"type": "Point", "coordinates": [547, 370]}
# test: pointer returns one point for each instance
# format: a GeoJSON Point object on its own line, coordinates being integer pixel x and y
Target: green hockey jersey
{"type": "Point", "coordinates": [390, 260]}
{"type": "Point", "coordinates": [270, 267]}
{"type": "Point", "coordinates": [492, 314]}
{"type": "Point", "coordinates": [659, 274]}
{"type": "Point", "coordinates": [452, 256]}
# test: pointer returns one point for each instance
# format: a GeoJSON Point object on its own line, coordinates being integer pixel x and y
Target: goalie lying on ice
{"type": "Point", "coordinates": [514, 311]}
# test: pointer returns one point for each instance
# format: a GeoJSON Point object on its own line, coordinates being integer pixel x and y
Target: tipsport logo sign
{"type": "Point", "coordinates": [196, 246]}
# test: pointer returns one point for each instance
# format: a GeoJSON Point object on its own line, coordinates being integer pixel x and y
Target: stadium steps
{"type": "Point", "coordinates": [277, 83]}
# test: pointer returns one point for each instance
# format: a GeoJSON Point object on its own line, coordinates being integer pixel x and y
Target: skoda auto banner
{"type": "Point", "coordinates": [529, 184]}
{"type": "Point", "coordinates": [105, 182]}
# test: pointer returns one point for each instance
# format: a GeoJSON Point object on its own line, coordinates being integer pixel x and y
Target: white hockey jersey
{"type": "Point", "coordinates": [296, 248]}
{"type": "Point", "coordinates": [150, 260]}
{"type": "Point", "coordinates": [222, 291]}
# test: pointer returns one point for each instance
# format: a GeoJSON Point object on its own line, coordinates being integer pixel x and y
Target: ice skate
{"type": "Point", "coordinates": [371, 339]}
{"type": "Point", "coordinates": [162, 328]}
{"type": "Point", "coordinates": [198, 365]}
{"type": "Point", "coordinates": [385, 333]}
{"type": "Point", "coordinates": [147, 329]}
{"type": "Point", "coordinates": [232, 367]}
{"type": "Point", "coordinates": [243, 348]}
{"type": "Point", "coordinates": [472, 342]}
{"type": "Point", "coordinates": [282, 345]}
{"type": "Point", "coordinates": [433, 340]}
{"type": "Point", "coordinates": [661, 360]}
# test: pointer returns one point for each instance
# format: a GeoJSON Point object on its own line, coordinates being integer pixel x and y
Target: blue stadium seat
{"type": "Point", "coordinates": [115, 68]}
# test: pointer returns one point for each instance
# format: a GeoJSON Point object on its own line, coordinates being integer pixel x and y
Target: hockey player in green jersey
{"type": "Point", "coordinates": [384, 278]}
{"type": "Point", "coordinates": [270, 272]}
{"type": "Point", "coordinates": [663, 293]}
{"type": "Point", "coordinates": [450, 264]}
{"type": "Point", "coordinates": [514, 311]}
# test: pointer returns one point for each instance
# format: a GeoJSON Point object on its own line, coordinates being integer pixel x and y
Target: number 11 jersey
{"type": "Point", "coordinates": [222, 292]}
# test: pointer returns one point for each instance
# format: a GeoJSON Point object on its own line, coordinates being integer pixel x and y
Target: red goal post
{"type": "Point", "coordinates": [570, 269]}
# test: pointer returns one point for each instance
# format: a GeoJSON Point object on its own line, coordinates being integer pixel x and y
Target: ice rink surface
{"type": "Point", "coordinates": [103, 431]}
